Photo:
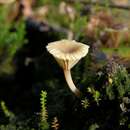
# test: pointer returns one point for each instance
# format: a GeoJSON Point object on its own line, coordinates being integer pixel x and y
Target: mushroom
{"type": "Point", "coordinates": [67, 53]}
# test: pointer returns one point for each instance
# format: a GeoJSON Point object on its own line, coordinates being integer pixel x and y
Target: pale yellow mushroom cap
{"type": "Point", "coordinates": [67, 52]}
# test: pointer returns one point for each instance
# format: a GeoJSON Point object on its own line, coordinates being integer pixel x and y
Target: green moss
{"type": "Point", "coordinates": [122, 51]}
{"type": "Point", "coordinates": [12, 38]}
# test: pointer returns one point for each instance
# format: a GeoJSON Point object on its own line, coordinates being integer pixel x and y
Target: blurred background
{"type": "Point", "coordinates": [33, 92]}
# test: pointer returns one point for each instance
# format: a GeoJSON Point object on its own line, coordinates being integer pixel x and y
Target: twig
{"type": "Point", "coordinates": [100, 4]}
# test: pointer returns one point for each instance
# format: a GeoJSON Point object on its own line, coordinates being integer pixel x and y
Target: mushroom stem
{"type": "Point", "coordinates": [70, 83]}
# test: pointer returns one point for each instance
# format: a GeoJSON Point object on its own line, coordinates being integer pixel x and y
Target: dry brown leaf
{"type": "Point", "coordinates": [120, 2]}
{"type": "Point", "coordinates": [27, 7]}
{"type": "Point", "coordinates": [7, 1]}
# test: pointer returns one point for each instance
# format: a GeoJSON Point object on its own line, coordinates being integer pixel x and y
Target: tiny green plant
{"type": "Point", "coordinates": [12, 121]}
{"type": "Point", "coordinates": [43, 124]}
{"type": "Point", "coordinates": [6, 111]}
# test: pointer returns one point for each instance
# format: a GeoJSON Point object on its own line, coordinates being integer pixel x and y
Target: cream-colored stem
{"type": "Point", "coordinates": [70, 83]}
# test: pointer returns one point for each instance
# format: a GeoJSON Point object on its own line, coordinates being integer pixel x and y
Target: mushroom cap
{"type": "Point", "coordinates": [67, 52]}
